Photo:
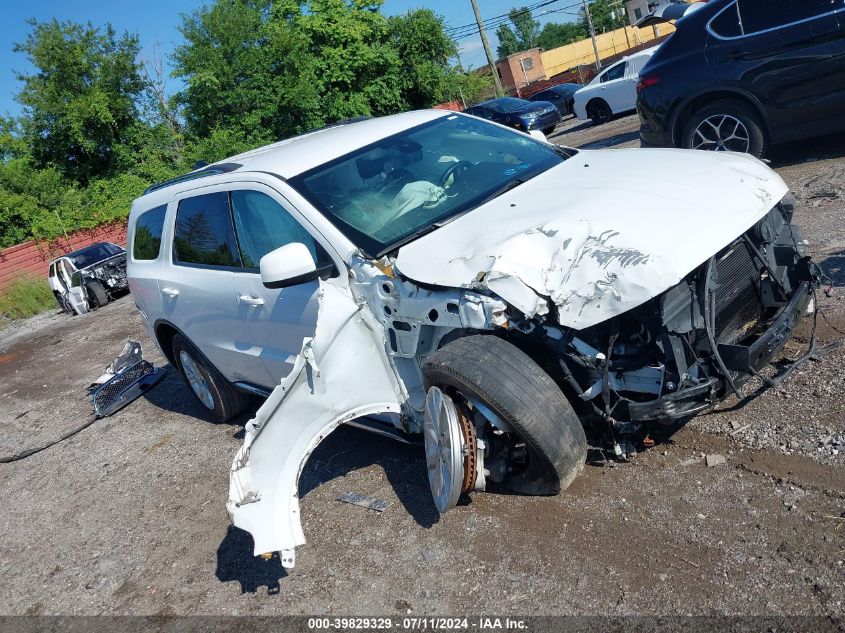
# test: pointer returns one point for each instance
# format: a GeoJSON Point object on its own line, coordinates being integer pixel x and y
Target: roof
{"type": "Point", "coordinates": [293, 156]}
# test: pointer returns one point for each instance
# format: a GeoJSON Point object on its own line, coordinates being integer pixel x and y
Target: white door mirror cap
{"type": "Point", "coordinates": [288, 265]}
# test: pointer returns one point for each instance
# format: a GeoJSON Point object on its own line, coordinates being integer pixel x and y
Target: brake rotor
{"type": "Point", "coordinates": [470, 448]}
{"type": "Point", "coordinates": [446, 454]}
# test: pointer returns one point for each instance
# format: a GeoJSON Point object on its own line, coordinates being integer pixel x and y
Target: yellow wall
{"type": "Point", "coordinates": [563, 58]}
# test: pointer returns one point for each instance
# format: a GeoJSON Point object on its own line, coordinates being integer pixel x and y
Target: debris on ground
{"type": "Point", "coordinates": [125, 379]}
{"type": "Point", "coordinates": [357, 499]}
{"type": "Point", "coordinates": [715, 460]}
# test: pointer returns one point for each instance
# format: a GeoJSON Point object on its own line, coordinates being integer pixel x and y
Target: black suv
{"type": "Point", "coordinates": [742, 75]}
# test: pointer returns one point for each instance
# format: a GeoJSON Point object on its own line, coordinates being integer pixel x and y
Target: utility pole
{"type": "Point", "coordinates": [490, 59]}
{"type": "Point", "coordinates": [592, 33]}
{"type": "Point", "coordinates": [619, 9]}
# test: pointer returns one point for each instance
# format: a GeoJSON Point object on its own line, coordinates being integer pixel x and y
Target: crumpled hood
{"type": "Point", "coordinates": [601, 233]}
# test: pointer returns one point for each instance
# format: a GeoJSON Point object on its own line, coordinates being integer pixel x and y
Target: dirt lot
{"type": "Point", "coordinates": [128, 516]}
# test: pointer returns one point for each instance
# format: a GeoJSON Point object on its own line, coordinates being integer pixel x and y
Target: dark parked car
{"type": "Point", "coordinates": [743, 75]}
{"type": "Point", "coordinates": [519, 113]}
{"type": "Point", "coordinates": [562, 95]}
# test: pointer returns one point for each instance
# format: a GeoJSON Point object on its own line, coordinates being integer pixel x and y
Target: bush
{"type": "Point", "coordinates": [24, 298]}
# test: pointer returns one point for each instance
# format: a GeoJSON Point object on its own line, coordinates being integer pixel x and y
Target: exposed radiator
{"type": "Point", "coordinates": [737, 296]}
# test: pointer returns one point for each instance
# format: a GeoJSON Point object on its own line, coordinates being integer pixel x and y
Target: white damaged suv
{"type": "Point", "coordinates": [493, 292]}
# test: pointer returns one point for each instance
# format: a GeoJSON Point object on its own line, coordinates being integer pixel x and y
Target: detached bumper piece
{"type": "Point", "coordinates": [125, 380]}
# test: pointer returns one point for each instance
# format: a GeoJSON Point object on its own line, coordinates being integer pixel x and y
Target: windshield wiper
{"type": "Point", "coordinates": [409, 238]}
{"type": "Point", "coordinates": [510, 184]}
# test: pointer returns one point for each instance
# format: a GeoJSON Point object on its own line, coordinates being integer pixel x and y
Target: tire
{"type": "Point", "coordinates": [226, 401]}
{"type": "Point", "coordinates": [515, 388]}
{"type": "Point", "coordinates": [549, 130]}
{"type": "Point", "coordinates": [97, 296]}
{"type": "Point", "coordinates": [724, 113]}
{"type": "Point", "coordinates": [599, 112]}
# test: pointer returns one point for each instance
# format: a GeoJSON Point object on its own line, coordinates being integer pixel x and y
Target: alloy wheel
{"type": "Point", "coordinates": [721, 133]}
{"type": "Point", "coordinates": [444, 451]}
{"type": "Point", "coordinates": [196, 380]}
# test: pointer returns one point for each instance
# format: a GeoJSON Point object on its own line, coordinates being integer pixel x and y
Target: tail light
{"type": "Point", "coordinates": [647, 82]}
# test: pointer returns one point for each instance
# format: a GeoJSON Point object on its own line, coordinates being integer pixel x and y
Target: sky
{"type": "Point", "coordinates": [156, 22]}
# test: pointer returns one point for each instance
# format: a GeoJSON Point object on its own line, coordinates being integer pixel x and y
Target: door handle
{"type": "Point", "coordinates": [251, 300]}
{"type": "Point", "coordinates": [170, 292]}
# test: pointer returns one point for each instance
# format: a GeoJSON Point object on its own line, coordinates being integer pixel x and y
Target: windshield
{"type": "Point", "coordinates": [93, 254]}
{"type": "Point", "coordinates": [506, 104]}
{"type": "Point", "coordinates": [384, 194]}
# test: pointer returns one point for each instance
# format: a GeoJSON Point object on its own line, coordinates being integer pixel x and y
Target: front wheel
{"type": "Point", "coordinates": [511, 421]}
{"type": "Point", "coordinates": [726, 126]}
{"type": "Point", "coordinates": [97, 295]}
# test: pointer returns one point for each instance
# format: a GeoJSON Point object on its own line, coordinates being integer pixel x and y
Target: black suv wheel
{"type": "Point", "coordinates": [726, 126]}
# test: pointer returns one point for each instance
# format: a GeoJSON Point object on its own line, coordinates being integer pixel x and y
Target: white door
{"type": "Point", "coordinates": [614, 88]}
{"type": "Point", "coordinates": [274, 321]}
{"type": "Point", "coordinates": [72, 281]}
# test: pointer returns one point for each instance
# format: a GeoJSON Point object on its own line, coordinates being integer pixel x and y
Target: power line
{"type": "Point", "coordinates": [504, 17]}
{"type": "Point", "coordinates": [494, 22]}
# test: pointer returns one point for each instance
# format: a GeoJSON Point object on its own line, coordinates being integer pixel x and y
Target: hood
{"type": "Point", "coordinates": [534, 106]}
{"type": "Point", "coordinates": [599, 234]}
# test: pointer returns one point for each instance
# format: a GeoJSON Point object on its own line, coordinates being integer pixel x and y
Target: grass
{"type": "Point", "coordinates": [24, 298]}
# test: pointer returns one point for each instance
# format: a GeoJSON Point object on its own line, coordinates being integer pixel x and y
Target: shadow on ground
{"type": "Point", "coordinates": [349, 449]}
{"type": "Point", "coordinates": [235, 561]}
{"type": "Point", "coordinates": [833, 268]}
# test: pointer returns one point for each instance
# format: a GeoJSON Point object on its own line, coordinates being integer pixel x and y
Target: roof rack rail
{"type": "Point", "coordinates": [212, 170]}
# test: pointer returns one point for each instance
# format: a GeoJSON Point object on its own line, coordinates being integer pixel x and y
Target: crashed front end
{"type": "Point", "coordinates": [111, 273]}
{"type": "Point", "coordinates": [651, 315]}
{"type": "Point", "coordinates": [699, 342]}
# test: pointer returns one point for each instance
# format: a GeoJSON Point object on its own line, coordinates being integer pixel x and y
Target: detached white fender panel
{"type": "Point", "coordinates": [342, 373]}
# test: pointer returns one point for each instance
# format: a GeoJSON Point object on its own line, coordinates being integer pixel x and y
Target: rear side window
{"type": "Point", "coordinates": [146, 243]}
{"type": "Point", "coordinates": [263, 225]}
{"type": "Point", "coordinates": [760, 15]}
{"type": "Point", "coordinates": [615, 72]}
{"type": "Point", "coordinates": [746, 17]}
{"type": "Point", "coordinates": [204, 233]}
{"type": "Point", "coordinates": [726, 24]}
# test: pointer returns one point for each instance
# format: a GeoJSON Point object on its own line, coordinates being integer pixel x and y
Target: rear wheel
{"type": "Point", "coordinates": [219, 399]}
{"type": "Point", "coordinates": [599, 112]}
{"type": "Point", "coordinates": [490, 407]}
{"type": "Point", "coordinates": [97, 296]}
{"type": "Point", "coordinates": [726, 126]}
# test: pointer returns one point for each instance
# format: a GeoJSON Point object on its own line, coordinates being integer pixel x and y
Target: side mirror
{"type": "Point", "coordinates": [289, 265]}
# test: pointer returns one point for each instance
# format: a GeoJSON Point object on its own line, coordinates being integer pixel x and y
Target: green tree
{"type": "Point", "coordinates": [261, 70]}
{"type": "Point", "coordinates": [604, 18]}
{"type": "Point", "coordinates": [424, 51]}
{"type": "Point", "coordinates": [81, 101]}
{"type": "Point", "coordinates": [556, 34]}
{"type": "Point", "coordinates": [521, 35]}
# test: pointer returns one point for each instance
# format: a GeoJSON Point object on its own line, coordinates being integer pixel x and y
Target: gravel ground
{"type": "Point", "coordinates": [128, 516]}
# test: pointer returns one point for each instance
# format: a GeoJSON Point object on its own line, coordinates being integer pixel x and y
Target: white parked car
{"type": "Point", "coordinates": [613, 91]}
{"type": "Point", "coordinates": [88, 277]}
{"type": "Point", "coordinates": [491, 291]}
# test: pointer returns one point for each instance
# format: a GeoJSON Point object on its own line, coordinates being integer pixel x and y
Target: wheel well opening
{"type": "Point", "coordinates": [711, 97]}
{"type": "Point", "coordinates": [165, 334]}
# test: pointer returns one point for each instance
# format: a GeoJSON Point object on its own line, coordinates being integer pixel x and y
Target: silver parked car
{"type": "Point", "coordinates": [466, 282]}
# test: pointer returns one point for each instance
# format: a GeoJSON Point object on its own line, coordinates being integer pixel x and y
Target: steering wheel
{"type": "Point", "coordinates": [452, 172]}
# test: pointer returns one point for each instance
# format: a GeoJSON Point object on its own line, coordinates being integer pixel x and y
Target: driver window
{"type": "Point", "coordinates": [263, 225]}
